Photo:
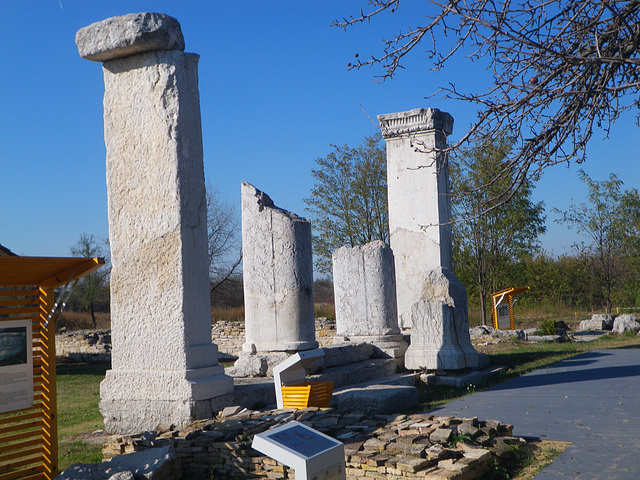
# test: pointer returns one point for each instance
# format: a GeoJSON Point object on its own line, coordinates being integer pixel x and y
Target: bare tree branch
{"type": "Point", "coordinates": [561, 69]}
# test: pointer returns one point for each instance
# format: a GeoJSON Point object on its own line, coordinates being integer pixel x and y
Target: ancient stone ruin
{"type": "Point", "coordinates": [278, 283]}
{"type": "Point", "coordinates": [365, 298]}
{"type": "Point", "coordinates": [431, 300]}
{"type": "Point", "coordinates": [164, 367]}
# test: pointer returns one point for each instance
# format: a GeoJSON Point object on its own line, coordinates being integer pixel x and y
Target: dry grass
{"type": "Point", "coordinates": [227, 314]}
{"type": "Point", "coordinates": [326, 310]}
{"type": "Point", "coordinates": [533, 317]}
{"type": "Point", "coordinates": [82, 321]}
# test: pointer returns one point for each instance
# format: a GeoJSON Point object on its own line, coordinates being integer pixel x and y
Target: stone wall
{"type": "Point", "coordinates": [95, 345]}
{"type": "Point", "coordinates": [229, 336]}
{"type": "Point", "coordinates": [390, 447]}
{"type": "Point", "coordinates": [84, 346]}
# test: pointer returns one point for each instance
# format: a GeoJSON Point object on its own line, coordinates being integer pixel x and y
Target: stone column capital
{"type": "Point", "coordinates": [418, 120]}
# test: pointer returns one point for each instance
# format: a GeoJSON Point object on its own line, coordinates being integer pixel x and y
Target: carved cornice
{"type": "Point", "coordinates": [415, 121]}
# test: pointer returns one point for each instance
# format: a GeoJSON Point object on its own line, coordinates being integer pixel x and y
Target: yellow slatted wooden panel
{"type": "Point", "coordinates": [307, 394]}
{"type": "Point", "coordinates": [27, 293]}
{"type": "Point", "coordinates": [29, 437]}
{"type": "Point", "coordinates": [18, 464]}
{"type": "Point", "coordinates": [19, 436]}
{"type": "Point", "coordinates": [28, 452]}
{"type": "Point", "coordinates": [33, 473]}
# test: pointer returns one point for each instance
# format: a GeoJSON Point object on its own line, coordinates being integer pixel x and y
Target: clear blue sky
{"type": "Point", "coordinates": [275, 93]}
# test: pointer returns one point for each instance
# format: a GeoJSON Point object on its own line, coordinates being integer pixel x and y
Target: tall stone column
{"type": "Point", "coordinates": [364, 285]}
{"type": "Point", "coordinates": [431, 300]}
{"type": "Point", "coordinates": [164, 367]}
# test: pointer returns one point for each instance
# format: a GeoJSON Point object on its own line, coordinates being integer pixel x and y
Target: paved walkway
{"type": "Point", "coordinates": [592, 400]}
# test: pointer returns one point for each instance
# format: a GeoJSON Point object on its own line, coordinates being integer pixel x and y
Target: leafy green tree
{"type": "Point", "coordinates": [348, 202]}
{"type": "Point", "coordinates": [611, 221]}
{"type": "Point", "coordinates": [498, 234]}
{"type": "Point", "coordinates": [90, 289]}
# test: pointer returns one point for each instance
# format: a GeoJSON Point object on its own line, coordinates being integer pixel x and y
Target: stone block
{"type": "Point", "coordinates": [155, 463]}
{"type": "Point", "coordinates": [365, 290]}
{"type": "Point", "coordinates": [129, 34]}
{"type": "Point", "coordinates": [337, 355]}
{"type": "Point", "coordinates": [440, 327]}
{"type": "Point", "coordinates": [625, 323]}
{"type": "Point", "coordinates": [597, 322]}
{"type": "Point", "coordinates": [377, 399]}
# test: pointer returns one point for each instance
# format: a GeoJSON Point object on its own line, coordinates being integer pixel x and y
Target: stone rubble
{"type": "Point", "coordinates": [157, 464]}
{"type": "Point", "coordinates": [597, 322]}
{"type": "Point", "coordinates": [625, 323]}
{"type": "Point", "coordinates": [390, 447]}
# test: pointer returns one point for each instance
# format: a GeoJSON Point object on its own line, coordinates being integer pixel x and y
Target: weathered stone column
{"type": "Point", "coordinates": [431, 300]}
{"type": "Point", "coordinates": [277, 269]}
{"type": "Point", "coordinates": [364, 286]}
{"type": "Point", "coordinates": [164, 367]}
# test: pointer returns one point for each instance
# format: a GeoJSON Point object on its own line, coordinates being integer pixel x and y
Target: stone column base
{"type": "Point", "coordinates": [138, 400]}
{"type": "Point", "coordinates": [257, 364]}
{"type": "Point", "coordinates": [385, 346]}
{"type": "Point", "coordinates": [440, 327]}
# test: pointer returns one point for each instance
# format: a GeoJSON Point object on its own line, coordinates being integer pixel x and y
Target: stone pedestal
{"type": "Point", "coordinates": [164, 367]}
{"type": "Point", "coordinates": [278, 276]}
{"type": "Point", "coordinates": [365, 299]}
{"type": "Point", "coordinates": [431, 300]}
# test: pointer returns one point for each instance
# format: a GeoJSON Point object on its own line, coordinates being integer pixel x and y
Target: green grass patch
{"type": "Point", "coordinates": [78, 452]}
{"type": "Point", "coordinates": [78, 413]}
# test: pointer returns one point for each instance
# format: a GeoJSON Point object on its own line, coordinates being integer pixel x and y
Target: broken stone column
{"type": "Point", "coordinates": [431, 299]}
{"type": "Point", "coordinates": [364, 287]}
{"type": "Point", "coordinates": [277, 269]}
{"type": "Point", "coordinates": [164, 368]}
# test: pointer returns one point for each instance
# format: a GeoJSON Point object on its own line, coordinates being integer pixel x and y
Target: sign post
{"type": "Point", "coordinates": [312, 454]}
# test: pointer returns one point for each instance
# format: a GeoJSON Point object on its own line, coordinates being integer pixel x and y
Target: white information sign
{"type": "Point", "coordinates": [16, 365]}
{"type": "Point", "coordinates": [312, 454]}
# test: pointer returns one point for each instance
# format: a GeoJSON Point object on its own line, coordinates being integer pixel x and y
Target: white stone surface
{"type": "Point", "coordinates": [419, 204]}
{"type": "Point", "coordinates": [431, 300]}
{"type": "Point", "coordinates": [164, 366]}
{"type": "Point", "coordinates": [278, 276]}
{"type": "Point", "coordinates": [127, 35]}
{"type": "Point", "coordinates": [365, 299]}
{"type": "Point", "coordinates": [625, 323]}
{"type": "Point", "coordinates": [596, 322]}
{"type": "Point", "coordinates": [365, 290]}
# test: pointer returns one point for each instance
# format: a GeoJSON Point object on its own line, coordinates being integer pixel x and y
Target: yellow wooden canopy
{"type": "Point", "coordinates": [48, 272]}
{"type": "Point", "coordinates": [29, 436]}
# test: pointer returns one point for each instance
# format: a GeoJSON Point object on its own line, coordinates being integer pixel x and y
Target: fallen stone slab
{"type": "Point", "coordinates": [357, 372]}
{"type": "Point", "coordinates": [130, 34]}
{"type": "Point", "coordinates": [587, 335]}
{"type": "Point", "coordinates": [460, 380]}
{"type": "Point", "coordinates": [157, 464]}
{"type": "Point", "coordinates": [376, 399]}
{"type": "Point", "coordinates": [340, 355]}
{"type": "Point", "coordinates": [544, 338]}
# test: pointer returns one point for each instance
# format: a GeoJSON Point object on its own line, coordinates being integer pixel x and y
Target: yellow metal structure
{"type": "Point", "coordinates": [29, 437]}
{"type": "Point", "coordinates": [502, 307]}
{"type": "Point", "coordinates": [307, 394]}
